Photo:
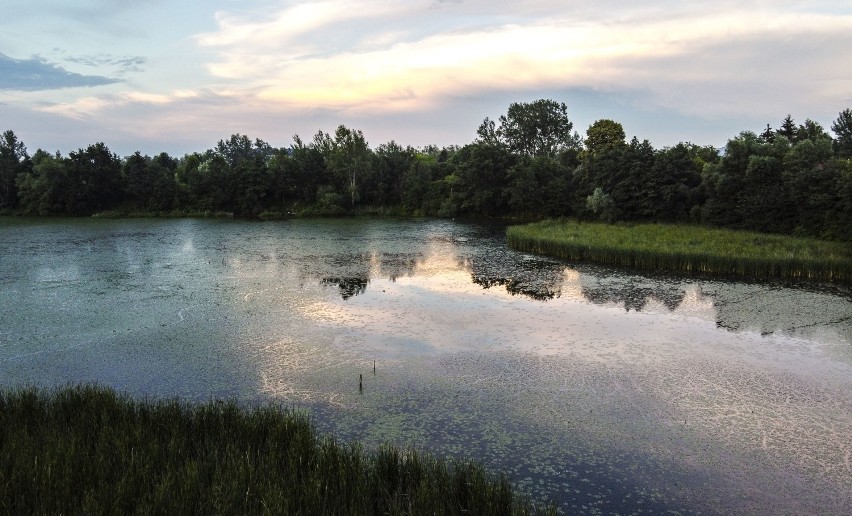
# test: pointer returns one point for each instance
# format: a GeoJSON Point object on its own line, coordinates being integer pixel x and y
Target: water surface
{"type": "Point", "coordinates": [603, 389]}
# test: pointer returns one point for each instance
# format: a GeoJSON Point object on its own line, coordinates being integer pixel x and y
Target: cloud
{"type": "Point", "coordinates": [709, 60]}
{"type": "Point", "coordinates": [123, 64]}
{"type": "Point", "coordinates": [428, 71]}
{"type": "Point", "coordinates": [87, 107]}
{"type": "Point", "coordinates": [36, 74]}
{"type": "Point", "coordinates": [281, 29]}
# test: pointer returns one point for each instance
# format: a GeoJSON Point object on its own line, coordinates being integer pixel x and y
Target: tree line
{"type": "Point", "coordinates": [529, 163]}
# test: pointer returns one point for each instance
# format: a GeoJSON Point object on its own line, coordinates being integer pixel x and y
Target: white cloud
{"type": "Point", "coordinates": [88, 107]}
{"type": "Point", "coordinates": [706, 62]}
{"type": "Point", "coordinates": [427, 71]}
{"type": "Point", "coordinates": [282, 31]}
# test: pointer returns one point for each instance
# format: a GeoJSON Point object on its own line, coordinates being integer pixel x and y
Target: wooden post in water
{"type": "Point", "coordinates": [374, 367]}
{"type": "Point", "coordinates": [360, 382]}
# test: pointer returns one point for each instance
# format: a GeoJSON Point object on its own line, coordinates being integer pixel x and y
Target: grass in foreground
{"type": "Point", "coordinates": [89, 450]}
{"type": "Point", "coordinates": [684, 248]}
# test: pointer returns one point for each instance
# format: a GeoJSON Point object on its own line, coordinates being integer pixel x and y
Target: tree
{"type": "Point", "coordinates": [162, 168]}
{"type": "Point", "coordinates": [768, 135]}
{"type": "Point", "coordinates": [631, 179]}
{"type": "Point", "coordinates": [240, 177]}
{"type": "Point", "coordinates": [602, 205]}
{"type": "Point", "coordinates": [604, 134]}
{"type": "Point", "coordinates": [137, 183]}
{"type": "Point", "coordinates": [415, 183]}
{"type": "Point", "coordinates": [42, 189]}
{"type": "Point", "coordinates": [95, 184]}
{"type": "Point", "coordinates": [487, 133]}
{"type": "Point", "coordinates": [747, 190]}
{"type": "Point", "coordinates": [812, 131]}
{"type": "Point", "coordinates": [191, 185]}
{"type": "Point", "coordinates": [480, 179]}
{"type": "Point", "coordinates": [348, 158]}
{"type": "Point", "coordinates": [238, 149]}
{"type": "Point", "coordinates": [763, 203]}
{"type": "Point", "coordinates": [306, 170]}
{"type": "Point", "coordinates": [615, 167]}
{"type": "Point", "coordinates": [672, 188]}
{"type": "Point", "coordinates": [788, 129]}
{"type": "Point", "coordinates": [815, 191]}
{"type": "Point", "coordinates": [13, 162]}
{"type": "Point", "coordinates": [538, 128]}
{"type": "Point", "coordinates": [842, 128]}
{"type": "Point", "coordinates": [391, 162]}
{"type": "Point", "coordinates": [540, 186]}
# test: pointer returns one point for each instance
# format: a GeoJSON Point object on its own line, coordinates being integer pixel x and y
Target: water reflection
{"type": "Point", "coordinates": [348, 286]}
{"type": "Point", "coordinates": [763, 307]}
{"type": "Point", "coordinates": [609, 390]}
{"type": "Point", "coordinates": [634, 293]}
{"type": "Point", "coordinates": [515, 287]}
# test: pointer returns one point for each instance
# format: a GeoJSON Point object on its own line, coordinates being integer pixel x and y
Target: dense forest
{"type": "Point", "coordinates": [530, 163]}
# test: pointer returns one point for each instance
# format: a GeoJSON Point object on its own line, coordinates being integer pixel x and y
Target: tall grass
{"type": "Point", "coordinates": [88, 450]}
{"type": "Point", "coordinates": [688, 249]}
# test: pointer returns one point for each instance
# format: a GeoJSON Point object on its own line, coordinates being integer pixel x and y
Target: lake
{"type": "Point", "coordinates": [603, 389]}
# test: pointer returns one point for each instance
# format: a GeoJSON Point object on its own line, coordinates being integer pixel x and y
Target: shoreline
{"type": "Point", "coordinates": [687, 249]}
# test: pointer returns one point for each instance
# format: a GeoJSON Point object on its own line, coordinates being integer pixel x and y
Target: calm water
{"type": "Point", "coordinates": [603, 389]}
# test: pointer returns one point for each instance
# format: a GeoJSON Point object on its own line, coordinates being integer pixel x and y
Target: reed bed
{"type": "Point", "coordinates": [88, 450]}
{"type": "Point", "coordinates": [691, 249]}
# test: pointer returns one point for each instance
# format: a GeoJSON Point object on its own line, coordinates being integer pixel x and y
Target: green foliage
{"type": "Point", "coordinates": [622, 170]}
{"type": "Point", "coordinates": [538, 128]}
{"type": "Point", "coordinates": [384, 186]}
{"type": "Point", "coordinates": [416, 184]}
{"type": "Point", "coordinates": [812, 131]}
{"type": "Point", "coordinates": [787, 129]}
{"type": "Point", "coordinates": [688, 249]}
{"type": "Point", "coordinates": [149, 182]}
{"type": "Point", "coordinates": [604, 134]}
{"type": "Point", "coordinates": [41, 190]}
{"type": "Point", "coordinates": [527, 164]}
{"type": "Point", "coordinates": [842, 127]}
{"type": "Point", "coordinates": [87, 450]}
{"type": "Point", "coordinates": [85, 182]}
{"type": "Point", "coordinates": [630, 185]}
{"type": "Point", "coordinates": [300, 172]}
{"type": "Point", "coordinates": [540, 186]}
{"type": "Point", "coordinates": [94, 184]}
{"type": "Point", "coordinates": [672, 188]}
{"type": "Point", "coordinates": [601, 204]}
{"type": "Point", "coordinates": [241, 179]}
{"type": "Point", "coordinates": [348, 158]}
{"type": "Point", "coordinates": [481, 172]}
{"type": "Point", "coordinates": [14, 161]}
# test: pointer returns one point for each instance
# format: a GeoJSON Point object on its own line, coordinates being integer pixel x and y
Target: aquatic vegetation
{"type": "Point", "coordinates": [690, 249]}
{"type": "Point", "coordinates": [89, 450]}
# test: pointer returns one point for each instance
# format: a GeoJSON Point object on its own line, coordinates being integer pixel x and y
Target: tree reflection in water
{"type": "Point", "coordinates": [736, 305]}
{"type": "Point", "coordinates": [348, 286]}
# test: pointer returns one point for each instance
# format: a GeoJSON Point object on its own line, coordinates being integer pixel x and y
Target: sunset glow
{"type": "Point", "coordinates": [418, 72]}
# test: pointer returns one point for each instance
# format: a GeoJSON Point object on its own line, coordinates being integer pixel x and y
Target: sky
{"type": "Point", "coordinates": [178, 76]}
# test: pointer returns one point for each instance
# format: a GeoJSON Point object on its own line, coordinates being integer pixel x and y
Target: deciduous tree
{"type": "Point", "coordinates": [14, 161]}
{"type": "Point", "coordinates": [538, 128]}
{"type": "Point", "coordinates": [842, 128]}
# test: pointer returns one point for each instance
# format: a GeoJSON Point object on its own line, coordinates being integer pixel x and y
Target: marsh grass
{"type": "Point", "coordinates": [690, 249]}
{"type": "Point", "coordinates": [89, 450]}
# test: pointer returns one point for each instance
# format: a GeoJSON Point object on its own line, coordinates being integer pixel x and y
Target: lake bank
{"type": "Point", "coordinates": [688, 249]}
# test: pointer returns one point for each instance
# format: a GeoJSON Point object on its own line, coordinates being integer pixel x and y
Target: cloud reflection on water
{"type": "Point", "coordinates": [676, 391]}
